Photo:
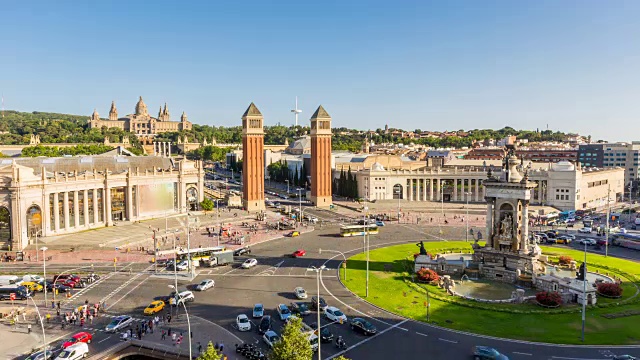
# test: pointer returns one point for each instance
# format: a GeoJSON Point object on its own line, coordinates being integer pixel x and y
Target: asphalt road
{"type": "Point", "coordinates": [272, 282]}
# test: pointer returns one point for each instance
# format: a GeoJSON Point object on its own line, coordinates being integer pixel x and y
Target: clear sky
{"type": "Point", "coordinates": [433, 65]}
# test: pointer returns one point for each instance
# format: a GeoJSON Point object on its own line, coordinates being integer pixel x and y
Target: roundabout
{"type": "Point", "coordinates": [393, 287]}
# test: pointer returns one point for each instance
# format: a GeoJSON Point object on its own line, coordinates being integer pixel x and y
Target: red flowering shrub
{"type": "Point", "coordinates": [427, 275]}
{"type": "Point", "coordinates": [549, 298]}
{"type": "Point", "coordinates": [610, 289]}
{"type": "Point", "coordinates": [565, 260]}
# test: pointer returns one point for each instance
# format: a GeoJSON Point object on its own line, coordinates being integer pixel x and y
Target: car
{"type": "Point", "coordinates": [570, 236]}
{"type": "Point", "coordinates": [379, 223]}
{"type": "Point", "coordinates": [119, 322]}
{"type": "Point", "coordinates": [363, 326]}
{"type": "Point", "coordinates": [265, 324]}
{"type": "Point", "coordinates": [81, 337]}
{"type": "Point", "coordinates": [283, 311]}
{"type": "Point", "coordinates": [40, 355]}
{"type": "Point", "coordinates": [624, 357]}
{"type": "Point", "coordinates": [73, 352]}
{"type": "Point", "coordinates": [587, 241]}
{"type": "Point", "coordinates": [602, 241]}
{"type": "Point", "coordinates": [298, 253]}
{"type": "Point", "coordinates": [249, 263]}
{"type": "Point", "coordinates": [563, 240]}
{"type": "Point", "coordinates": [243, 323]}
{"type": "Point", "coordinates": [334, 314]}
{"type": "Point", "coordinates": [205, 284]}
{"type": "Point", "coordinates": [585, 230]}
{"type": "Point", "coordinates": [155, 307]}
{"type": "Point", "coordinates": [293, 234]}
{"type": "Point", "coordinates": [258, 311]}
{"type": "Point", "coordinates": [300, 308]}
{"type": "Point", "coordinates": [300, 292]}
{"type": "Point", "coordinates": [318, 304]}
{"type": "Point", "coordinates": [32, 286]}
{"type": "Point", "coordinates": [487, 353]}
{"type": "Point", "coordinates": [182, 265]}
{"type": "Point", "coordinates": [311, 219]}
{"type": "Point", "coordinates": [270, 338]}
{"type": "Point", "coordinates": [185, 296]}
{"type": "Point", "coordinates": [325, 333]}
{"type": "Point", "coordinates": [242, 251]}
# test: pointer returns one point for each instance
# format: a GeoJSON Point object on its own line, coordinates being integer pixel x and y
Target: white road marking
{"type": "Point", "coordinates": [367, 339]}
{"type": "Point", "coordinates": [521, 353]}
{"type": "Point", "coordinates": [133, 288]}
{"type": "Point", "coordinates": [107, 338]}
{"type": "Point", "coordinates": [421, 334]}
{"type": "Point", "coordinates": [403, 329]}
{"type": "Point", "coordinates": [447, 340]}
{"type": "Point", "coordinates": [221, 327]}
{"type": "Point", "coordinates": [571, 358]}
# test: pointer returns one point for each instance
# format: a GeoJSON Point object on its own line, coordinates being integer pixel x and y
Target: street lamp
{"type": "Point", "coordinates": [345, 260]}
{"type": "Point", "coordinates": [584, 290]}
{"type": "Point", "coordinates": [44, 270]}
{"type": "Point", "coordinates": [187, 313]}
{"type": "Point", "coordinates": [300, 204]}
{"type": "Point", "coordinates": [365, 246]}
{"type": "Point", "coordinates": [38, 231]}
{"type": "Point", "coordinates": [44, 336]}
{"type": "Point", "coordinates": [318, 272]}
{"type": "Point", "coordinates": [287, 181]}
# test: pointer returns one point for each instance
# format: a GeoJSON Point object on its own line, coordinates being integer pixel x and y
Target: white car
{"type": "Point", "coordinates": [585, 230]}
{"type": "Point", "coordinates": [334, 314]}
{"type": "Point", "coordinates": [243, 323]}
{"type": "Point", "coordinates": [587, 241]}
{"type": "Point", "coordinates": [185, 296]}
{"type": "Point", "coordinates": [249, 263]}
{"type": "Point", "coordinates": [300, 292]}
{"type": "Point", "coordinates": [270, 338]}
{"type": "Point", "coordinates": [205, 284]}
{"type": "Point", "coordinates": [183, 265]}
{"type": "Point", "coordinates": [75, 351]}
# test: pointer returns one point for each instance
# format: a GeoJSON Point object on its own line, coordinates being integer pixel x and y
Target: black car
{"type": "Point", "coordinates": [300, 308]}
{"type": "Point", "coordinates": [318, 305]}
{"type": "Point", "coordinates": [265, 324]}
{"type": "Point", "coordinates": [363, 326]}
{"type": "Point", "coordinates": [241, 251]}
{"type": "Point", "coordinates": [59, 287]}
{"type": "Point", "coordinates": [325, 334]}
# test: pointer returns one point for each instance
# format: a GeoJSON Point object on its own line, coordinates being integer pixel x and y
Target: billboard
{"type": "Point", "coordinates": [156, 197]}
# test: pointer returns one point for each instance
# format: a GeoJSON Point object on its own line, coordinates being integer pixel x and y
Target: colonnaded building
{"type": "Point", "coordinates": [563, 185]}
{"type": "Point", "coordinates": [141, 123]}
{"type": "Point", "coordinates": [55, 196]}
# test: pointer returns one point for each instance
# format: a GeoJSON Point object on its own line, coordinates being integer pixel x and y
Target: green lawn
{"type": "Point", "coordinates": [388, 289]}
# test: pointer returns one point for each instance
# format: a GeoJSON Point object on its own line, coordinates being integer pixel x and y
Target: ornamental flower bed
{"type": "Point", "coordinates": [565, 260]}
{"type": "Point", "coordinates": [611, 290]}
{"type": "Point", "coordinates": [427, 275]}
{"type": "Point", "coordinates": [549, 298]}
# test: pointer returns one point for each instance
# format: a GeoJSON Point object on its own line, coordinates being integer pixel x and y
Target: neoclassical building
{"type": "Point", "coordinates": [55, 196]}
{"type": "Point", "coordinates": [562, 185]}
{"type": "Point", "coordinates": [141, 123]}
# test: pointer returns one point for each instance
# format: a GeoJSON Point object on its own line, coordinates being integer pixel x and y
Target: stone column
{"type": "Point", "coordinates": [65, 209]}
{"type": "Point", "coordinates": [455, 189]}
{"type": "Point", "coordinates": [424, 190]}
{"type": "Point", "coordinates": [107, 208]}
{"type": "Point", "coordinates": [56, 211]}
{"type": "Point", "coordinates": [524, 241]}
{"type": "Point", "coordinates": [85, 206]}
{"type": "Point", "coordinates": [438, 192]}
{"type": "Point", "coordinates": [540, 192]}
{"type": "Point", "coordinates": [76, 210]}
{"type": "Point", "coordinates": [154, 149]}
{"type": "Point", "coordinates": [95, 205]}
{"type": "Point", "coordinates": [489, 221]}
{"type": "Point", "coordinates": [129, 202]}
{"type": "Point", "coordinates": [431, 189]}
{"type": "Point", "coordinates": [169, 146]}
{"type": "Point", "coordinates": [476, 189]}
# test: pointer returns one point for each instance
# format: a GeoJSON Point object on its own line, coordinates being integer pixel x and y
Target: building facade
{"type": "Point", "coordinates": [321, 180]}
{"type": "Point", "coordinates": [562, 185]}
{"type": "Point", "coordinates": [253, 159]}
{"type": "Point", "coordinates": [534, 154]}
{"type": "Point", "coordinates": [610, 155]}
{"type": "Point", "coordinates": [141, 123]}
{"type": "Point", "coordinates": [56, 196]}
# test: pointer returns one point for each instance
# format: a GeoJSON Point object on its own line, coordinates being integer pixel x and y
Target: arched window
{"type": "Point", "coordinates": [34, 220]}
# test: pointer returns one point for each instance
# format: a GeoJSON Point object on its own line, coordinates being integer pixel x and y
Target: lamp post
{"type": "Point", "coordinates": [365, 246]}
{"type": "Point", "coordinates": [188, 321]}
{"type": "Point", "coordinates": [343, 256]}
{"type": "Point", "coordinates": [44, 336]}
{"type": "Point", "coordinates": [584, 290]}
{"type": "Point", "coordinates": [44, 271]}
{"type": "Point", "coordinates": [300, 203]}
{"type": "Point", "coordinates": [37, 245]}
{"type": "Point", "coordinates": [399, 196]}
{"type": "Point", "coordinates": [606, 228]}
{"type": "Point", "coordinates": [318, 272]}
{"type": "Point", "coordinates": [287, 181]}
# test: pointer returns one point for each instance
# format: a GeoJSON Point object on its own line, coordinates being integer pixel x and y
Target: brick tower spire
{"type": "Point", "coordinates": [253, 159]}
{"type": "Point", "coordinates": [113, 112]}
{"type": "Point", "coordinates": [321, 158]}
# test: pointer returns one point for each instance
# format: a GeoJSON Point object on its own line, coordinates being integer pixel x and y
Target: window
{"type": "Point", "coordinates": [557, 197]}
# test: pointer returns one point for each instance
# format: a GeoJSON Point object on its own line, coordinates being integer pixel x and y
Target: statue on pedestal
{"type": "Point", "coordinates": [423, 251]}
{"type": "Point", "coordinates": [582, 272]}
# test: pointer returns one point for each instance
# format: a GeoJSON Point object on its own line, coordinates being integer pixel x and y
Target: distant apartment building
{"type": "Point", "coordinates": [552, 155]}
{"type": "Point", "coordinates": [609, 155]}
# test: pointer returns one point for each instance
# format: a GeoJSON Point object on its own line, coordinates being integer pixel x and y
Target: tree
{"type": "Point", "coordinates": [210, 353]}
{"type": "Point", "coordinates": [341, 357]}
{"type": "Point", "coordinates": [207, 204]}
{"type": "Point", "coordinates": [294, 344]}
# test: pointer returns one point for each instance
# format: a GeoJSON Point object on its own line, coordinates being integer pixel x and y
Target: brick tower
{"type": "Point", "coordinates": [253, 159]}
{"type": "Point", "coordinates": [321, 158]}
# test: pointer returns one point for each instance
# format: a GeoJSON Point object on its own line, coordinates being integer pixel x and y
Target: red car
{"type": "Point", "coordinates": [84, 337]}
{"type": "Point", "coordinates": [299, 253]}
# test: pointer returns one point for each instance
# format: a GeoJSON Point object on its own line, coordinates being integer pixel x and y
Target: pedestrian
{"type": "Point", "coordinates": [53, 304]}
{"type": "Point", "coordinates": [48, 317]}
{"type": "Point", "coordinates": [199, 348]}
{"type": "Point", "coordinates": [221, 347]}
{"type": "Point", "coordinates": [24, 316]}
{"type": "Point", "coordinates": [169, 333]}
{"type": "Point", "coordinates": [216, 346]}
{"type": "Point", "coordinates": [58, 305]}
{"type": "Point", "coordinates": [173, 337]}
{"type": "Point", "coordinates": [82, 322]}
{"type": "Point", "coordinates": [140, 334]}
{"type": "Point", "coordinates": [91, 319]}
{"type": "Point", "coordinates": [168, 319]}
{"type": "Point", "coordinates": [164, 335]}
{"type": "Point", "coordinates": [58, 312]}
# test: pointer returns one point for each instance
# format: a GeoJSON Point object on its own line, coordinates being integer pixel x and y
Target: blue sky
{"type": "Point", "coordinates": [436, 65]}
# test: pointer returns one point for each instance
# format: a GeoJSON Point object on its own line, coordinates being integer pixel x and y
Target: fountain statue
{"type": "Point", "coordinates": [582, 271]}
{"type": "Point", "coordinates": [423, 251]}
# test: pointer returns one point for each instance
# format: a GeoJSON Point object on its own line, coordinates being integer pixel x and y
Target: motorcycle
{"type": "Point", "coordinates": [341, 344]}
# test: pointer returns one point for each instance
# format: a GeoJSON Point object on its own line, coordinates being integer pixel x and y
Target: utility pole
{"type": "Point", "coordinates": [606, 228]}
{"type": "Point", "coordinates": [584, 291]}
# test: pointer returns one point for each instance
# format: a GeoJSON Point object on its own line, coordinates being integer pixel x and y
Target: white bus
{"type": "Point", "coordinates": [10, 280]}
